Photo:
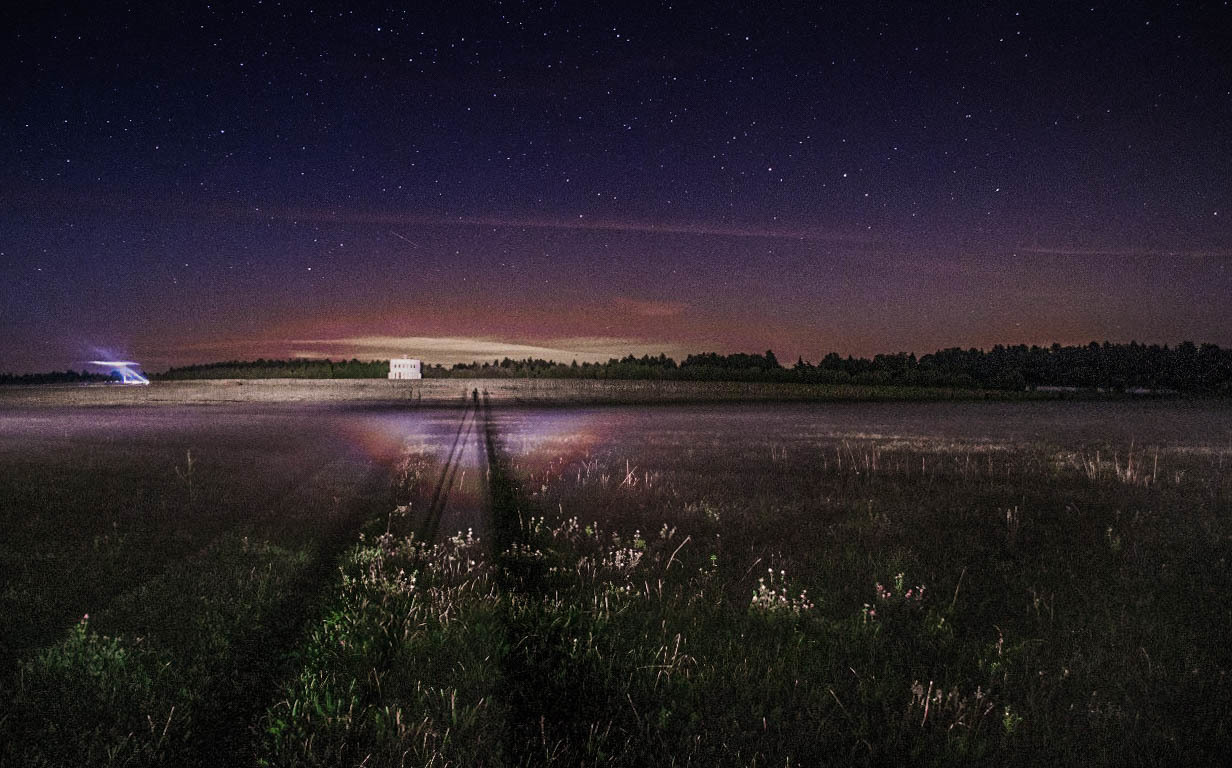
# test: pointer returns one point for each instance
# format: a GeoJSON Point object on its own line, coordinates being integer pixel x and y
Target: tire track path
{"type": "Point", "coordinates": [431, 522]}
{"type": "Point", "coordinates": [551, 699]}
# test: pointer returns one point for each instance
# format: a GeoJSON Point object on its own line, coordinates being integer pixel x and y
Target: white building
{"type": "Point", "coordinates": [405, 368]}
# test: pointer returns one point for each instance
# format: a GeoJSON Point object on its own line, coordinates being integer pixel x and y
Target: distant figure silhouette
{"type": "Point", "coordinates": [475, 396]}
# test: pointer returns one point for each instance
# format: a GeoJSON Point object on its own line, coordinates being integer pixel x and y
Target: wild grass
{"type": "Point", "coordinates": [143, 697]}
{"type": "Point", "coordinates": [866, 602]}
{"type": "Point", "coordinates": [673, 590]}
{"type": "Point", "coordinates": [174, 669]}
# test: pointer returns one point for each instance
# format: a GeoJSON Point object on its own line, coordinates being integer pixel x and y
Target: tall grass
{"type": "Point", "coordinates": [869, 602]}
{"type": "Point", "coordinates": [670, 594]}
{"type": "Point", "coordinates": [174, 670]}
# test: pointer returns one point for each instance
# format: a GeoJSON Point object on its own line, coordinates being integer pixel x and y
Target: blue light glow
{"type": "Point", "coordinates": [126, 369]}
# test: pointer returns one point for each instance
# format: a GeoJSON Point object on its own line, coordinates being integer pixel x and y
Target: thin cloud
{"type": "Point", "coordinates": [579, 224]}
{"type": "Point", "coordinates": [1125, 252]}
{"type": "Point", "coordinates": [697, 230]}
{"type": "Point", "coordinates": [459, 349]}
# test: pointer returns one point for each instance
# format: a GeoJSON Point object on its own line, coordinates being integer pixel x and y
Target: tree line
{"type": "Point", "coordinates": [53, 377]}
{"type": "Point", "coordinates": [1186, 367]}
{"type": "Point", "coordinates": [297, 368]}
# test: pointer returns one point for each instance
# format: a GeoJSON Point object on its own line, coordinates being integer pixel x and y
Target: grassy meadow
{"type": "Point", "coordinates": [928, 584]}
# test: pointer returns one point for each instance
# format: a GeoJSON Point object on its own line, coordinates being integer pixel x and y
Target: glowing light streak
{"type": "Point", "coordinates": [126, 369]}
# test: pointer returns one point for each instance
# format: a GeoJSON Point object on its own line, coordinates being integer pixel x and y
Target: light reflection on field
{"type": "Point", "coordinates": [1199, 427]}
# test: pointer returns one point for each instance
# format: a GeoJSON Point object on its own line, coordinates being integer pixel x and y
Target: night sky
{"type": "Point", "coordinates": [183, 182]}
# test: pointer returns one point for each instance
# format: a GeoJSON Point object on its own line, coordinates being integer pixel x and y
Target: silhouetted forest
{"type": "Point", "coordinates": [298, 368]}
{"type": "Point", "coordinates": [1186, 367]}
{"type": "Point", "coordinates": [54, 377]}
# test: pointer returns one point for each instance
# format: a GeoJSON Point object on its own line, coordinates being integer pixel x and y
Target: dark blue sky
{"type": "Point", "coordinates": [184, 182]}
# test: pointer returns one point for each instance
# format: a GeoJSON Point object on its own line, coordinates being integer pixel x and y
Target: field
{"type": "Point", "coordinates": [454, 392]}
{"type": "Point", "coordinates": [341, 583]}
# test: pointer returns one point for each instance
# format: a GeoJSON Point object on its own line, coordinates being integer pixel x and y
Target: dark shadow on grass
{"type": "Point", "coordinates": [430, 525]}
{"type": "Point", "coordinates": [226, 730]}
{"type": "Point", "coordinates": [552, 699]}
{"type": "Point", "coordinates": [504, 495]}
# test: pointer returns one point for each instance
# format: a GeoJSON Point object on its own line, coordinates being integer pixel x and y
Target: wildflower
{"type": "Point", "coordinates": [768, 599]}
{"type": "Point", "coordinates": [898, 594]}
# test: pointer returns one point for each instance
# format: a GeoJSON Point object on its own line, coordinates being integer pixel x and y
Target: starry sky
{"type": "Point", "coordinates": [186, 182]}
